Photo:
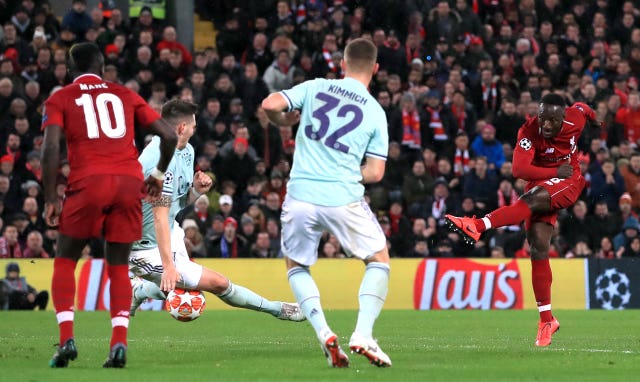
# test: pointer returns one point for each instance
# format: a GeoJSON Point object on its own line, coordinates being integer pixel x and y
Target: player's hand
{"type": "Point", "coordinates": [291, 118]}
{"type": "Point", "coordinates": [170, 277]}
{"type": "Point", "coordinates": [202, 182]}
{"type": "Point", "coordinates": [152, 188]}
{"type": "Point", "coordinates": [52, 213]}
{"type": "Point", "coordinates": [596, 124]}
{"type": "Point", "coordinates": [565, 171]}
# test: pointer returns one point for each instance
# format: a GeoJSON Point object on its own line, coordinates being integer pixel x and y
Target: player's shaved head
{"type": "Point", "coordinates": [360, 55]}
{"type": "Point", "coordinates": [176, 111]}
{"type": "Point", "coordinates": [86, 58]}
{"type": "Point", "coordinates": [553, 99]}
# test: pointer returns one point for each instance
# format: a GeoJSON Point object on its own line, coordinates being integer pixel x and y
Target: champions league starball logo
{"type": "Point", "coordinates": [525, 143]}
{"type": "Point", "coordinates": [612, 289]}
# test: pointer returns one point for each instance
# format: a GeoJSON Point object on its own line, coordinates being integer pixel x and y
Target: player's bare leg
{"type": "Point", "coordinates": [539, 236]}
{"type": "Point", "coordinates": [536, 201]}
{"type": "Point", "coordinates": [63, 292]}
{"type": "Point", "coordinates": [372, 295]}
{"type": "Point", "coordinates": [117, 255]}
{"type": "Point", "coordinates": [308, 297]}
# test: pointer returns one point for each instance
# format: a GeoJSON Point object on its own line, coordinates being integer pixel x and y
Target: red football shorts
{"type": "Point", "coordinates": [108, 206]}
{"type": "Point", "coordinates": [564, 193]}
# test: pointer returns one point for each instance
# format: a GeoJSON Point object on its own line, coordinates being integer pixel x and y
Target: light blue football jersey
{"type": "Point", "coordinates": [340, 123]}
{"type": "Point", "coordinates": [178, 180]}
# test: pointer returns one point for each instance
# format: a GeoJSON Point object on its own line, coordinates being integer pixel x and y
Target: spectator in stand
{"type": "Point", "coordinates": [34, 247]}
{"type": "Point", "coordinates": [252, 88]}
{"type": "Point", "coordinates": [629, 117]}
{"type": "Point", "coordinates": [602, 224]}
{"type": "Point", "coordinates": [321, 60]}
{"type": "Point", "coordinates": [439, 203]}
{"type": "Point", "coordinates": [17, 294]}
{"type": "Point", "coordinates": [77, 18]}
{"type": "Point", "coordinates": [169, 41]}
{"type": "Point", "coordinates": [575, 226]}
{"type": "Point", "coordinates": [607, 185]}
{"type": "Point", "coordinates": [265, 137]}
{"type": "Point", "coordinates": [200, 213]}
{"type": "Point", "coordinates": [238, 130]}
{"type": "Point", "coordinates": [444, 21]}
{"type": "Point", "coordinates": [279, 75]}
{"type": "Point", "coordinates": [508, 121]}
{"type": "Point", "coordinates": [417, 187]}
{"type": "Point", "coordinates": [480, 184]}
{"type": "Point", "coordinates": [631, 250]}
{"type": "Point", "coordinates": [629, 231]}
{"type": "Point", "coordinates": [229, 244]}
{"type": "Point", "coordinates": [408, 126]}
{"type": "Point", "coordinates": [258, 53]}
{"type": "Point", "coordinates": [9, 246]}
{"type": "Point", "coordinates": [392, 55]}
{"type": "Point", "coordinates": [146, 21]}
{"type": "Point", "coordinates": [262, 247]}
{"type": "Point", "coordinates": [247, 229]}
{"type": "Point", "coordinates": [226, 205]}
{"type": "Point", "coordinates": [605, 249]}
{"type": "Point", "coordinates": [395, 169]}
{"type": "Point", "coordinates": [580, 250]}
{"type": "Point", "coordinates": [400, 229]}
{"type": "Point", "coordinates": [486, 144]}
{"type": "Point", "coordinates": [631, 175]}
{"type": "Point", "coordinates": [272, 206]}
{"type": "Point", "coordinates": [193, 239]}
{"type": "Point", "coordinates": [442, 126]}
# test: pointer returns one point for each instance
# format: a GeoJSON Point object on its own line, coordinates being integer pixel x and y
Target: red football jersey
{"type": "Point", "coordinates": [537, 158]}
{"type": "Point", "coordinates": [98, 120]}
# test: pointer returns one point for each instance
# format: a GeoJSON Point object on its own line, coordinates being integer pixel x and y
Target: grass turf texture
{"type": "Point", "coordinates": [247, 346]}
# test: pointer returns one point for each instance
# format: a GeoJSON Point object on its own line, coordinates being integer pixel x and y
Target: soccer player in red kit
{"type": "Point", "coordinates": [104, 190]}
{"type": "Point", "coordinates": [546, 157]}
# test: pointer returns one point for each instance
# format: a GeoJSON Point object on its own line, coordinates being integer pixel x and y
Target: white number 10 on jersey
{"type": "Point", "coordinates": [106, 125]}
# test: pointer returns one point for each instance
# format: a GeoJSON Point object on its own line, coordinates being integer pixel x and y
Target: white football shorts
{"type": "Point", "coordinates": [147, 263]}
{"type": "Point", "coordinates": [354, 225]}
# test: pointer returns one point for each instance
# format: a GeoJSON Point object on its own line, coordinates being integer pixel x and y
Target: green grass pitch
{"type": "Point", "coordinates": [246, 346]}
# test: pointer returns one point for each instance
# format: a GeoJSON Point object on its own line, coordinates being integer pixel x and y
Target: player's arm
{"type": "Point", "coordinates": [168, 142]}
{"type": "Point", "coordinates": [523, 155]}
{"type": "Point", "coordinates": [376, 152]}
{"type": "Point", "coordinates": [52, 125]}
{"type": "Point", "coordinates": [160, 209]}
{"type": "Point", "coordinates": [275, 105]}
{"type": "Point", "coordinates": [202, 183]}
{"type": "Point", "coordinates": [145, 115]}
{"type": "Point", "coordinates": [50, 164]}
{"type": "Point", "coordinates": [586, 111]}
{"type": "Point", "coordinates": [373, 170]}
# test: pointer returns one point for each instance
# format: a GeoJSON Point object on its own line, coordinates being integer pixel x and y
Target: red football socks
{"type": "Point", "coordinates": [63, 291]}
{"type": "Point", "coordinates": [120, 295]}
{"type": "Point", "coordinates": [504, 216]}
{"type": "Point", "coordinates": [541, 278]}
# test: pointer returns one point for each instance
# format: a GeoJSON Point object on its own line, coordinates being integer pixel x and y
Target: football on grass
{"type": "Point", "coordinates": [185, 305]}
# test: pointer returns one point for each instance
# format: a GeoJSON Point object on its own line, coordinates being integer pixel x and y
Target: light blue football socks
{"type": "Point", "coordinates": [373, 293]}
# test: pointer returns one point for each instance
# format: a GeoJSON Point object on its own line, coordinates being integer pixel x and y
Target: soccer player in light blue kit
{"type": "Point", "coordinates": [160, 258]}
{"type": "Point", "coordinates": [340, 124]}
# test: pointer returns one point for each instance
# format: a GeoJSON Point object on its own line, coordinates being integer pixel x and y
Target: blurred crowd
{"type": "Point", "coordinates": [456, 80]}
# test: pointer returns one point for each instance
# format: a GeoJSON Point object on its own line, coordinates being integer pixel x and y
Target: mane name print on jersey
{"type": "Point", "coordinates": [320, 114]}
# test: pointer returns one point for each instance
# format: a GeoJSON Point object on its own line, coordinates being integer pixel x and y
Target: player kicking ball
{"type": "Point", "coordinates": [546, 157]}
{"type": "Point", "coordinates": [160, 258]}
